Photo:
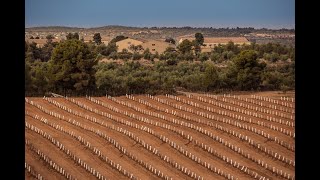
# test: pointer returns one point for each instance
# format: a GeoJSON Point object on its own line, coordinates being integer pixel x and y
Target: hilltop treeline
{"type": "Point", "coordinates": [71, 67]}
{"type": "Point", "coordinates": [185, 28]}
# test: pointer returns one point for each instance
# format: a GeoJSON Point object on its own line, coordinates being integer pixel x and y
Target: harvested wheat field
{"type": "Point", "coordinates": [189, 136]}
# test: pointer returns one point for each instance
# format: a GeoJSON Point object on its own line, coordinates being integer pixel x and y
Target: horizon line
{"type": "Point", "coordinates": [208, 27]}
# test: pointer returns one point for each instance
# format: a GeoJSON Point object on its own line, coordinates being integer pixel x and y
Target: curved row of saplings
{"type": "Point", "coordinates": [267, 103]}
{"type": "Point", "coordinates": [243, 111]}
{"type": "Point", "coordinates": [287, 99]}
{"type": "Point", "coordinates": [276, 171]}
{"type": "Point", "coordinates": [150, 113]}
{"type": "Point", "coordinates": [267, 99]}
{"type": "Point", "coordinates": [270, 126]}
{"type": "Point", "coordinates": [225, 113]}
{"type": "Point", "coordinates": [165, 140]}
{"type": "Point", "coordinates": [56, 167]}
{"type": "Point", "coordinates": [88, 145]}
{"type": "Point", "coordinates": [280, 172]}
{"type": "Point", "coordinates": [208, 116]}
{"type": "Point", "coordinates": [33, 172]}
{"type": "Point", "coordinates": [206, 148]}
{"type": "Point", "coordinates": [66, 151]}
{"type": "Point", "coordinates": [165, 158]}
{"type": "Point", "coordinates": [224, 120]}
{"type": "Point", "coordinates": [263, 98]}
{"type": "Point", "coordinates": [258, 108]}
{"type": "Point", "coordinates": [211, 117]}
{"type": "Point", "coordinates": [216, 138]}
{"type": "Point", "coordinates": [228, 107]}
{"type": "Point", "coordinates": [261, 133]}
{"type": "Point", "coordinates": [122, 150]}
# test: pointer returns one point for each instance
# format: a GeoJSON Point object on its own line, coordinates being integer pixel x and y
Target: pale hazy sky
{"type": "Point", "coordinates": [195, 13]}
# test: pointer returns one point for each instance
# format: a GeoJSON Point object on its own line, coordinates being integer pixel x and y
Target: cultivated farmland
{"type": "Point", "coordinates": [190, 136]}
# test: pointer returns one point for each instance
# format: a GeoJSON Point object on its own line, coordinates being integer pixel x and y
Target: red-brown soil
{"type": "Point", "coordinates": [158, 126]}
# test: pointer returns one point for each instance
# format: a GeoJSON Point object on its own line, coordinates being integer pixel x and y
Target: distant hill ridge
{"type": "Point", "coordinates": [119, 27]}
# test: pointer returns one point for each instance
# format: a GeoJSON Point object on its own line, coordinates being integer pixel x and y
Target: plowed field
{"type": "Point", "coordinates": [191, 136]}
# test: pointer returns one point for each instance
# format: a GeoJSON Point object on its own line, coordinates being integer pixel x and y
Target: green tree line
{"type": "Point", "coordinates": [71, 67]}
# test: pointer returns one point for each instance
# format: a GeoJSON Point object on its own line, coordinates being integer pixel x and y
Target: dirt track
{"type": "Point", "coordinates": [135, 126]}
